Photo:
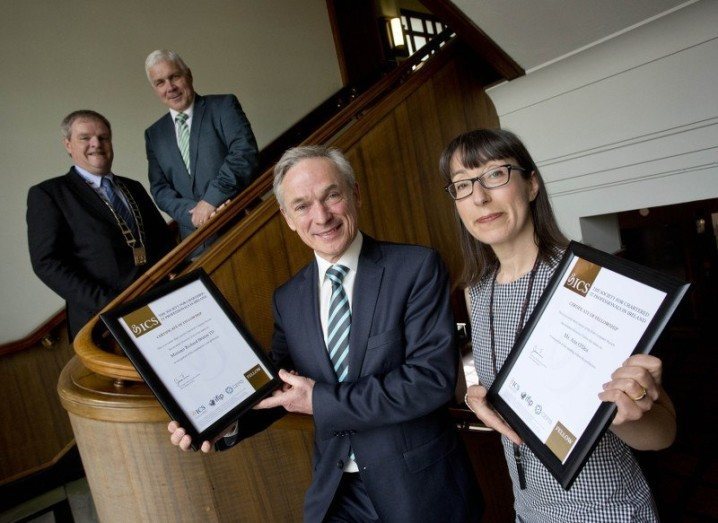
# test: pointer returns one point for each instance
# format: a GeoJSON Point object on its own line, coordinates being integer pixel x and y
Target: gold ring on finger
{"type": "Point", "coordinates": [641, 395]}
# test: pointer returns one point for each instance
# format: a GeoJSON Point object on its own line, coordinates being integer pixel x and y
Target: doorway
{"type": "Point", "coordinates": [682, 240]}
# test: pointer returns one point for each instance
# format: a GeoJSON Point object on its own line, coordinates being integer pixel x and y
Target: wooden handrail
{"type": "Point", "coordinates": [35, 336]}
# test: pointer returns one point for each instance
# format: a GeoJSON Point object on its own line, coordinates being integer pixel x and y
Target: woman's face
{"type": "Point", "coordinates": [500, 216]}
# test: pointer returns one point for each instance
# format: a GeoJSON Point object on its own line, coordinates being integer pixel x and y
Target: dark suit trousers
{"type": "Point", "coordinates": [351, 502]}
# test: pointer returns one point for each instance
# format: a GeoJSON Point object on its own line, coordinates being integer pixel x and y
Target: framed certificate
{"type": "Point", "coordinates": [195, 354]}
{"type": "Point", "coordinates": [596, 312]}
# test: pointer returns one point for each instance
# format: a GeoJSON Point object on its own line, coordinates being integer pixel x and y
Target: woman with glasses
{"type": "Point", "coordinates": [511, 245]}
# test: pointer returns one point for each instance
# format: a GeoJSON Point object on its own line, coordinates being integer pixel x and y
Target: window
{"type": "Point", "coordinates": [419, 28]}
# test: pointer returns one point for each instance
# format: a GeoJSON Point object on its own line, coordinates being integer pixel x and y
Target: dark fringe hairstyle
{"type": "Point", "coordinates": [474, 149]}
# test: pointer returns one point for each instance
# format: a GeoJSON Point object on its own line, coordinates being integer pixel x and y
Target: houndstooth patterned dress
{"type": "Point", "coordinates": [611, 486]}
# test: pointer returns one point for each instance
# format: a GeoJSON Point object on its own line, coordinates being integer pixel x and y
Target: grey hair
{"type": "Point", "coordinates": [82, 114]}
{"type": "Point", "coordinates": [304, 152]}
{"type": "Point", "coordinates": [164, 55]}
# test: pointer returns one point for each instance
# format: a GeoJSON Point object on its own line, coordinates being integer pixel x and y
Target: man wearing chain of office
{"type": "Point", "coordinates": [91, 232]}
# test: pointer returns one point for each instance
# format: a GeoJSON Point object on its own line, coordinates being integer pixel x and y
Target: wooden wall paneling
{"type": "Point", "coordinates": [479, 110]}
{"type": "Point", "coordinates": [260, 267]}
{"type": "Point", "coordinates": [425, 115]}
{"type": "Point", "coordinates": [450, 102]}
{"type": "Point", "coordinates": [388, 192]}
{"type": "Point", "coordinates": [297, 254]}
{"type": "Point", "coordinates": [366, 217]}
{"type": "Point", "coordinates": [249, 277]}
{"type": "Point", "coordinates": [272, 471]}
{"type": "Point", "coordinates": [34, 428]}
{"type": "Point", "coordinates": [411, 172]}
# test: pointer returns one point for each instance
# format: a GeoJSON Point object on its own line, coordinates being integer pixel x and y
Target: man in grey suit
{"type": "Point", "coordinates": [367, 330]}
{"type": "Point", "coordinates": [202, 152]}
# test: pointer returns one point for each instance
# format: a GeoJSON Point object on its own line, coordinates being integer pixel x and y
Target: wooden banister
{"type": "Point", "coordinates": [35, 337]}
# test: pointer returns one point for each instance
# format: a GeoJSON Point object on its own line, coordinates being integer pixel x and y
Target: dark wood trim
{"type": "Point", "coordinates": [331, 11]}
{"type": "Point", "coordinates": [35, 336]}
{"type": "Point", "coordinates": [479, 41]}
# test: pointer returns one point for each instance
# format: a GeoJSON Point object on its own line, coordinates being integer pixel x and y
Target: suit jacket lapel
{"type": "Point", "coordinates": [87, 196]}
{"type": "Point", "coordinates": [197, 117]}
{"type": "Point", "coordinates": [308, 302]}
{"type": "Point", "coordinates": [366, 292]}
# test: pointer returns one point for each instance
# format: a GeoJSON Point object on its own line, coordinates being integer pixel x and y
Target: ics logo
{"type": "Point", "coordinates": [582, 277]}
{"type": "Point", "coordinates": [141, 321]}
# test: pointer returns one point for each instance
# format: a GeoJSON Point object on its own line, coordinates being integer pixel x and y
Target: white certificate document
{"type": "Point", "coordinates": [590, 326]}
{"type": "Point", "coordinates": [196, 352]}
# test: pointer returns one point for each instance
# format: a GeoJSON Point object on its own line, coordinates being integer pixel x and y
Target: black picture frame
{"type": "Point", "coordinates": [566, 472]}
{"type": "Point", "coordinates": [148, 371]}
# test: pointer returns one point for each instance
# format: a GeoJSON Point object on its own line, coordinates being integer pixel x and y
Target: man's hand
{"type": "Point", "coordinates": [220, 208]}
{"type": "Point", "coordinates": [295, 394]}
{"type": "Point", "coordinates": [201, 213]}
{"type": "Point", "coordinates": [180, 438]}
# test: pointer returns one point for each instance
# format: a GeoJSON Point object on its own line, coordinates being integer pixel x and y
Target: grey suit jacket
{"type": "Point", "coordinates": [223, 158]}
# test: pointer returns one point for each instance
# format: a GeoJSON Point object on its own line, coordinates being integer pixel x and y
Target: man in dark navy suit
{"type": "Point", "coordinates": [91, 233]}
{"type": "Point", "coordinates": [202, 152]}
{"type": "Point", "coordinates": [367, 332]}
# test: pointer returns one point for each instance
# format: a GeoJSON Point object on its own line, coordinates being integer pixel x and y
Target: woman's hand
{"type": "Point", "coordinates": [475, 399]}
{"type": "Point", "coordinates": [645, 416]}
{"type": "Point", "coordinates": [634, 387]}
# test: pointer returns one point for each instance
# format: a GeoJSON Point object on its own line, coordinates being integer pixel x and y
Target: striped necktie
{"type": "Point", "coordinates": [117, 204]}
{"type": "Point", "coordinates": [339, 322]}
{"type": "Point", "coordinates": [183, 138]}
{"type": "Point", "coordinates": [339, 325]}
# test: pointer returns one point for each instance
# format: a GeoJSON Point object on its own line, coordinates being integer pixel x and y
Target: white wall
{"type": "Point", "coordinates": [627, 124]}
{"type": "Point", "coordinates": [55, 57]}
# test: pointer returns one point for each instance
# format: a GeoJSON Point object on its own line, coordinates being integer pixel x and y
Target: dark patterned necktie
{"type": "Point", "coordinates": [339, 322]}
{"type": "Point", "coordinates": [338, 326]}
{"type": "Point", "coordinates": [117, 204]}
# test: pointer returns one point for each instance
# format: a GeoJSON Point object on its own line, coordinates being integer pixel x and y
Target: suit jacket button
{"type": "Point", "coordinates": [340, 464]}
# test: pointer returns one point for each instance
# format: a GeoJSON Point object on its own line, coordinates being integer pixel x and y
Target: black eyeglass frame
{"type": "Point", "coordinates": [479, 179]}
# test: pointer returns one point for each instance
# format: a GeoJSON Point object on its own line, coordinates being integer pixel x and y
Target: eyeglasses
{"type": "Point", "coordinates": [492, 179]}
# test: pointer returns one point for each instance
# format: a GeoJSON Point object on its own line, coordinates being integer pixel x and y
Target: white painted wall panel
{"type": "Point", "coordinates": [638, 130]}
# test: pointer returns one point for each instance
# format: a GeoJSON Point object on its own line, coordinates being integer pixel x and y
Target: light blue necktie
{"type": "Point", "coordinates": [183, 138]}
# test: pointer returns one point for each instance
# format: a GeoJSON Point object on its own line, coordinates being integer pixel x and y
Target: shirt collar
{"type": "Point", "coordinates": [93, 179]}
{"type": "Point", "coordinates": [349, 259]}
{"type": "Point", "coordinates": [189, 111]}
